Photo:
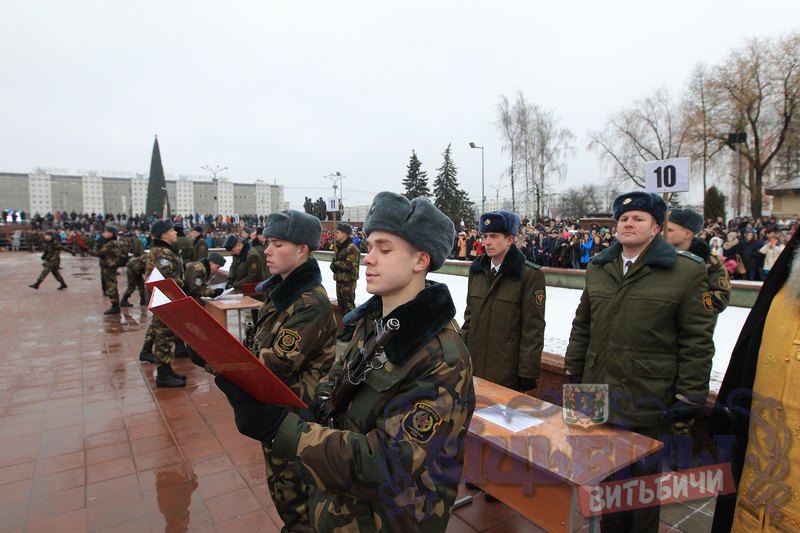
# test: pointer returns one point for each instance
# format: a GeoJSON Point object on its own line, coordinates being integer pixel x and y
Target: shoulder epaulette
{"type": "Point", "coordinates": [534, 265]}
{"type": "Point", "coordinates": [690, 255]}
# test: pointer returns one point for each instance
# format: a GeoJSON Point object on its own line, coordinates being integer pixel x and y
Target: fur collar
{"type": "Point", "coordinates": [700, 249]}
{"type": "Point", "coordinates": [659, 253]}
{"type": "Point", "coordinates": [162, 244]}
{"type": "Point", "coordinates": [283, 292]}
{"type": "Point", "coordinates": [420, 319]}
{"type": "Point", "coordinates": [512, 267]}
{"type": "Point", "coordinates": [344, 244]}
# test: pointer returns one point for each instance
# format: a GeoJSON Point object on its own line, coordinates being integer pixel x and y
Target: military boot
{"type": "Point", "coordinates": [165, 377]}
{"type": "Point", "coordinates": [181, 350]}
{"type": "Point", "coordinates": [347, 334]}
{"type": "Point", "coordinates": [124, 302]}
{"type": "Point", "coordinates": [62, 286]}
{"type": "Point", "coordinates": [142, 301]}
{"type": "Point", "coordinates": [35, 285]}
{"type": "Point", "coordinates": [146, 355]}
{"type": "Point", "coordinates": [113, 311]}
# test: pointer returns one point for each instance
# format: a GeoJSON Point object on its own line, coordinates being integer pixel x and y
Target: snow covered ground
{"type": "Point", "coordinates": [559, 312]}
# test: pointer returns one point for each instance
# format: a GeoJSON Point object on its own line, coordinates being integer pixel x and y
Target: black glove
{"type": "Point", "coordinates": [683, 409]}
{"type": "Point", "coordinates": [254, 419]}
{"type": "Point", "coordinates": [526, 384]}
{"type": "Point", "coordinates": [196, 359]}
{"type": "Point", "coordinates": [309, 414]}
{"type": "Point", "coordinates": [229, 283]}
{"type": "Point", "coordinates": [575, 380]}
{"type": "Point", "coordinates": [217, 292]}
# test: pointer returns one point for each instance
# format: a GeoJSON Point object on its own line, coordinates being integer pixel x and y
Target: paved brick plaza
{"type": "Point", "coordinates": [88, 443]}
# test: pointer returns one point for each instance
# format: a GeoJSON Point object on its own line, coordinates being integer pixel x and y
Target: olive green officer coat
{"type": "Point", "coordinates": [245, 268]}
{"type": "Point", "coordinates": [648, 335]}
{"type": "Point", "coordinates": [200, 248]}
{"type": "Point", "coordinates": [185, 248]}
{"type": "Point", "coordinates": [504, 319]}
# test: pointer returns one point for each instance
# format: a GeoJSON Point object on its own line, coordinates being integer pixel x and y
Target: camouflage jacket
{"type": "Point", "coordinates": [165, 259]}
{"type": "Point", "coordinates": [295, 330]}
{"type": "Point", "coordinates": [718, 278]}
{"type": "Point", "coordinates": [135, 247]}
{"type": "Point", "coordinates": [195, 277]}
{"type": "Point", "coordinates": [51, 252]}
{"type": "Point", "coordinates": [136, 266]}
{"type": "Point", "coordinates": [345, 262]}
{"type": "Point", "coordinates": [108, 251]}
{"type": "Point", "coordinates": [199, 249]}
{"type": "Point", "coordinates": [245, 268]}
{"type": "Point", "coordinates": [397, 461]}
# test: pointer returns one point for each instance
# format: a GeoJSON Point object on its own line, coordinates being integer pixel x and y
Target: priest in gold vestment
{"type": "Point", "coordinates": [760, 409]}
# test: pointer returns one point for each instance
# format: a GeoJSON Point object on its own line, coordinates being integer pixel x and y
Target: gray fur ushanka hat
{"type": "Point", "coordinates": [418, 221]}
{"type": "Point", "coordinates": [294, 226]}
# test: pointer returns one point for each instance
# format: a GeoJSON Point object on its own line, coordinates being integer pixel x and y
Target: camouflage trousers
{"type": "Point", "coordinates": [289, 493]}
{"type": "Point", "coordinates": [346, 296]}
{"type": "Point", "coordinates": [50, 266]}
{"type": "Point", "coordinates": [163, 341]}
{"type": "Point", "coordinates": [135, 282]}
{"type": "Point", "coordinates": [110, 284]}
{"type": "Point", "coordinates": [150, 336]}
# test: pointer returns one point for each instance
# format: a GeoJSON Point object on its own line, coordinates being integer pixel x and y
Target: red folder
{"type": "Point", "coordinates": [217, 346]}
{"type": "Point", "coordinates": [249, 289]}
{"type": "Point", "coordinates": [165, 285]}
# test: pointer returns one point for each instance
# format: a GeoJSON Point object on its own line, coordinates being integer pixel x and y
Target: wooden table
{"type": "Point", "coordinates": [219, 309]}
{"type": "Point", "coordinates": [537, 471]}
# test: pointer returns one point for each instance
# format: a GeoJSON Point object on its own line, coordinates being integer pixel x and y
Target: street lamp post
{"type": "Point", "coordinates": [483, 193]}
{"type": "Point", "coordinates": [214, 171]}
{"type": "Point", "coordinates": [337, 177]}
{"type": "Point", "coordinates": [497, 190]}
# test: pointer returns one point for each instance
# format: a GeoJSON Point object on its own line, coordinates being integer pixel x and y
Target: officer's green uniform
{"type": "Point", "coordinates": [376, 474]}
{"type": "Point", "coordinates": [185, 248]}
{"type": "Point", "coordinates": [718, 278]}
{"type": "Point", "coordinates": [110, 255]}
{"type": "Point", "coordinates": [504, 319]}
{"type": "Point", "coordinates": [295, 340]}
{"type": "Point", "coordinates": [245, 268]}
{"type": "Point", "coordinates": [163, 257]}
{"type": "Point", "coordinates": [648, 335]}
{"type": "Point", "coordinates": [258, 247]}
{"type": "Point", "coordinates": [199, 249]}
{"type": "Point", "coordinates": [51, 256]}
{"type": "Point", "coordinates": [345, 263]}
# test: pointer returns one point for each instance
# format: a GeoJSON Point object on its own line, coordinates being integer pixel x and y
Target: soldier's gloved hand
{"type": "Point", "coordinates": [196, 359]}
{"type": "Point", "coordinates": [685, 409]}
{"type": "Point", "coordinates": [254, 419]}
{"type": "Point", "coordinates": [309, 414]}
{"type": "Point", "coordinates": [575, 380]}
{"type": "Point", "coordinates": [229, 283]}
{"type": "Point", "coordinates": [217, 292]}
{"type": "Point", "coordinates": [526, 384]}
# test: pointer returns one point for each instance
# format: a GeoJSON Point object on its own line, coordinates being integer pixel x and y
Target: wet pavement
{"type": "Point", "coordinates": [88, 443]}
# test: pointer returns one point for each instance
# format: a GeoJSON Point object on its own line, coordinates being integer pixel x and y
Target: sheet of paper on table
{"type": "Point", "coordinates": [510, 419]}
{"type": "Point", "coordinates": [225, 292]}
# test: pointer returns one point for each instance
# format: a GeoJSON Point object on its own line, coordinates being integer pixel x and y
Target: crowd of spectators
{"type": "Point", "coordinates": [747, 247]}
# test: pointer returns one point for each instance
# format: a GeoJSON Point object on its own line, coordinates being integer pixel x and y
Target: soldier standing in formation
{"type": "Point", "coordinates": [344, 265]}
{"type": "Point", "coordinates": [644, 326]}
{"type": "Point", "coordinates": [199, 246]}
{"type": "Point", "coordinates": [684, 224]}
{"type": "Point", "coordinates": [51, 257]}
{"type": "Point", "coordinates": [163, 257]}
{"type": "Point", "coordinates": [245, 267]}
{"type": "Point", "coordinates": [258, 244]}
{"type": "Point", "coordinates": [385, 469]}
{"type": "Point", "coordinates": [107, 249]}
{"type": "Point", "coordinates": [134, 271]}
{"type": "Point", "coordinates": [184, 245]}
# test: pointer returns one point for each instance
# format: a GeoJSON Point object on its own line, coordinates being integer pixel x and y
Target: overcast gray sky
{"type": "Point", "coordinates": [290, 92]}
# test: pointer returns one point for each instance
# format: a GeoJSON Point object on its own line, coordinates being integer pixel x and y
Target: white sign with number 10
{"type": "Point", "coordinates": [667, 175]}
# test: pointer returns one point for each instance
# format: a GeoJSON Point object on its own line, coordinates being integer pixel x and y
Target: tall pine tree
{"type": "Point", "coordinates": [156, 186]}
{"type": "Point", "coordinates": [446, 189]}
{"type": "Point", "coordinates": [416, 182]}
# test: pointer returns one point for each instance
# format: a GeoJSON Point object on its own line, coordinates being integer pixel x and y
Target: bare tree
{"type": "Point", "coordinates": [757, 89]}
{"type": "Point", "coordinates": [651, 130]}
{"type": "Point", "coordinates": [509, 134]}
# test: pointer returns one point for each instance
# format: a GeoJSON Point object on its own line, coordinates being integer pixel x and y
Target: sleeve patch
{"type": "Point", "coordinates": [539, 297]}
{"type": "Point", "coordinates": [165, 262]}
{"type": "Point", "coordinates": [707, 302]}
{"type": "Point", "coordinates": [198, 281]}
{"type": "Point", "coordinates": [289, 340]}
{"type": "Point", "coordinates": [420, 424]}
{"type": "Point", "coordinates": [723, 282]}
